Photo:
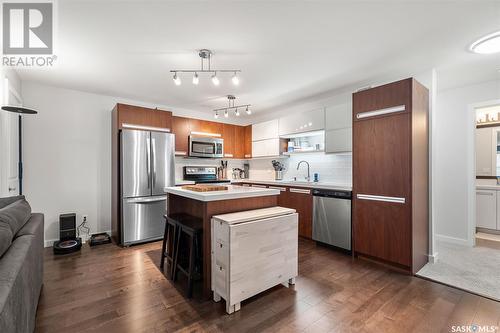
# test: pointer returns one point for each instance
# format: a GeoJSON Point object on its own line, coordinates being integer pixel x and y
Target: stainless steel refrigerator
{"type": "Point", "coordinates": [147, 166]}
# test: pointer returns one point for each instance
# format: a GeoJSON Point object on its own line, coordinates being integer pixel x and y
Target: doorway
{"type": "Point", "coordinates": [473, 265]}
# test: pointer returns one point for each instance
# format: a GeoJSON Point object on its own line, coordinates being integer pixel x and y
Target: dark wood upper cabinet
{"type": "Point", "coordinates": [228, 134]}
{"type": "Point", "coordinates": [390, 174]}
{"type": "Point", "coordinates": [180, 127]}
{"type": "Point", "coordinates": [204, 126]}
{"type": "Point", "coordinates": [248, 142]}
{"type": "Point", "coordinates": [141, 116]}
{"type": "Point", "coordinates": [239, 142]}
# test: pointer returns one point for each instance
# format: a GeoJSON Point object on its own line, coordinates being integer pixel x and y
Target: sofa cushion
{"type": "Point", "coordinates": [15, 215]}
{"type": "Point", "coordinates": [5, 238]}
{"type": "Point", "coordinates": [9, 200]}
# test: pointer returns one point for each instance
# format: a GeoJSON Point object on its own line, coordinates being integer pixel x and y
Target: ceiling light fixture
{"type": "Point", "coordinates": [248, 111]}
{"type": "Point", "coordinates": [216, 115]}
{"type": "Point", "coordinates": [231, 107]}
{"type": "Point", "coordinates": [206, 57]}
{"type": "Point", "coordinates": [487, 45]}
{"type": "Point", "coordinates": [177, 79]}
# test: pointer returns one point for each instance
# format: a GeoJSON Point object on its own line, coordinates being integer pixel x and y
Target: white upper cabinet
{"type": "Point", "coordinates": [268, 147]}
{"type": "Point", "coordinates": [485, 152]}
{"type": "Point", "coordinates": [302, 122]}
{"type": "Point", "coordinates": [265, 130]}
{"type": "Point", "coordinates": [338, 116]}
{"type": "Point", "coordinates": [338, 126]}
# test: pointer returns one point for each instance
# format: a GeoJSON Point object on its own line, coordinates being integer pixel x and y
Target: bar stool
{"type": "Point", "coordinates": [191, 227]}
{"type": "Point", "coordinates": [170, 236]}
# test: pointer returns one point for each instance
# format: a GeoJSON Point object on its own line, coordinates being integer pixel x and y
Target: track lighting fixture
{"type": "Point", "coordinates": [248, 111]}
{"type": "Point", "coordinates": [231, 107]}
{"type": "Point", "coordinates": [206, 57]}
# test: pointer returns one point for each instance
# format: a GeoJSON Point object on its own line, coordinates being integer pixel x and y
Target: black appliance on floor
{"type": "Point", "coordinates": [68, 242]}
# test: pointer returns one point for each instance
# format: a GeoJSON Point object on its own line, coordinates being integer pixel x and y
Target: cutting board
{"type": "Point", "coordinates": [204, 188]}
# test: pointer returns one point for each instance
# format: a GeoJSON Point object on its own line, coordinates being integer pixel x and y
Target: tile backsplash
{"type": "Point", "coordinates": [180, 162]}
{"type": "Point", "coordinates": [335, 168]}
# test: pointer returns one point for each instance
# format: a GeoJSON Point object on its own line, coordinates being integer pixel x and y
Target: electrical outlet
{"type": "Point", "coordinates": [85, 218]}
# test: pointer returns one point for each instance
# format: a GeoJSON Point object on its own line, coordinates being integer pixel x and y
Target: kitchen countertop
{"type": "Point", "coordinates": [491, 187]}
{"type": "Point", "coordinates": [318, 185]}
{"type": "Point", "coordinates": [233, 192]}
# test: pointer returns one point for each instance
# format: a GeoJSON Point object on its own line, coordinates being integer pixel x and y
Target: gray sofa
{"type": "Point", "coordinates": [21, 264]}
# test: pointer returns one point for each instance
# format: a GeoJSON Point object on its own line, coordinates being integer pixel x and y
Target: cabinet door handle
{"type": "Point", "coordinates": [379, 112]}
{"type": "Point", "coordinates": [484, 193]}
{"type": "Point", "coordinates": [282, 189]}
{"type": "Point", "coordinates": [228, 155]}
{"type": "Point", "coordinates": [299, 190]}
{"type": "Point", "coordinates": [381, 198]}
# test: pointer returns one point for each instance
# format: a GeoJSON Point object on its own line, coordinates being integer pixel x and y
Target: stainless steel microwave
{"type": "Point", "coordinates": [200, 146]}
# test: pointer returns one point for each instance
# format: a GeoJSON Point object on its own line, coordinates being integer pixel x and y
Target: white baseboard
{"type": "Point", "coordinates": [453, 240]}
{"type": "Point", "coordinates": [50, 242]}
{"type": "Point", "coordinates": [433, 258]}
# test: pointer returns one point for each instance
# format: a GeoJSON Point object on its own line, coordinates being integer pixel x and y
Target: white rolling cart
{"type": "Point", "coordinates": [253, 251]}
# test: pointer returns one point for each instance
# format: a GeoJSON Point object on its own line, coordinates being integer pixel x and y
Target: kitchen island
{"type": "Point", "coordinates": [204, 205]}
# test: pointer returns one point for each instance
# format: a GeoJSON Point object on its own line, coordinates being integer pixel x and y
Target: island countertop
{"type": "Point", "coordinates": [233, 192]}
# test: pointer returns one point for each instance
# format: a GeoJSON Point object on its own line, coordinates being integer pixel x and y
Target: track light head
{"type": "Point", "coordinates": [248, 111]}
{"type": "Point", "coordinates": [177, 79]}
{"type": "Point", "coordinates": [235, 79]}
{"type": "Point", "coordinates": [237, 112]}
{"type": "Point", "coordinates": [196, 79]}
{"type": "Point", "coordinates": [216, 115]}
{"type": "Point", "coordinates": [215, 79]}
{"type": "Point", "coordinates": [226, 114]}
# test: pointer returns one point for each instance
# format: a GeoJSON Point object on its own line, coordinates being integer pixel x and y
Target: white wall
{"type": "Point", "coordinates": [67, 154]}
{"type": "Point", "coordinates": [453, 157]}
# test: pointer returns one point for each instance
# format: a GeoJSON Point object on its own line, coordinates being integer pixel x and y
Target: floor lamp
{"type": "Point", "coordinates": [20, 110]}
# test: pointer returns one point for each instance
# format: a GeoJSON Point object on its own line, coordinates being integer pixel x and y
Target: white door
{"type": "Point", "coordinates": [10, 144]}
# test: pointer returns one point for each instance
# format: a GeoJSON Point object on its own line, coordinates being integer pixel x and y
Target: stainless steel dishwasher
{"type": "Point", "coordinates": [332, 217]}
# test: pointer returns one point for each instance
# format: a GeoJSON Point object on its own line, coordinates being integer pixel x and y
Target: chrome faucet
{"type": "Point", "coordinates": [308, 170]}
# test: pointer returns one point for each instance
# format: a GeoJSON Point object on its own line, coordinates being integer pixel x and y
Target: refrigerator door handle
{"type": "Point", "coordinates": [381, 198]}
{"type": "Point", "coordinates": [146, 200]}
{"type": "Point", "coordinates": [153, 152]}
{"type": "Point", "coordinates": [148, 160]}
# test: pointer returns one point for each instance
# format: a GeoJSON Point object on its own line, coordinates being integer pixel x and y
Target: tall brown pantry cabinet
{"type": "Point", "coordinates": [390, 174]}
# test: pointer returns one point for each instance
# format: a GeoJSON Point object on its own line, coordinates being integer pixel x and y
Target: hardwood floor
{"type": "Point", "coordinates": [112, 289]}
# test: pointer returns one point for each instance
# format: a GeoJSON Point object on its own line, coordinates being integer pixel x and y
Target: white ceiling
{"type": "Point", "coordinates": [287, 50]}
